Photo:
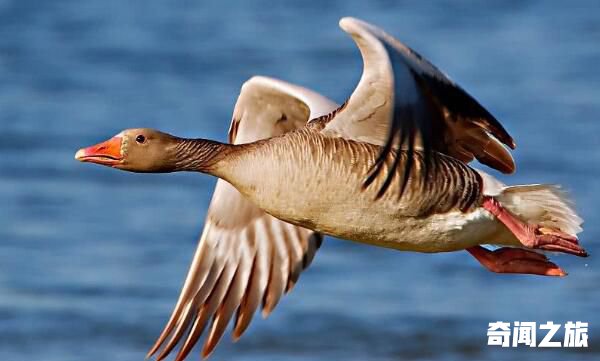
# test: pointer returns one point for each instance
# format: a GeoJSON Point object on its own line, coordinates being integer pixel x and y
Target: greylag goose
{"type": "Point", "coordinates": [387, 168]}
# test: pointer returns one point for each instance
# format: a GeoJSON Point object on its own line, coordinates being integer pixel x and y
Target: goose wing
{"type": "Point", "coordinates": [404, 103]}
{"type": "Point", "coordinates": [244, 257]}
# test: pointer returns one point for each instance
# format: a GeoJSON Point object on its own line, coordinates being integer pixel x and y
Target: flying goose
{"type": "Point", "coordinates": [389, 168]}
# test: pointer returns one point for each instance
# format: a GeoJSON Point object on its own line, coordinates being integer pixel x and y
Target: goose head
{"type": "Point", "coordinates": [140, 150]}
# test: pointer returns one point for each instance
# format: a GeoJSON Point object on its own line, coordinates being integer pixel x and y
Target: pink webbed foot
{"type": "Point", "coordinates": [515, 260]}
{"type": "Point", "coordinates": [535, 236]}
{"type": "Point", "coordinates": [554, 240]}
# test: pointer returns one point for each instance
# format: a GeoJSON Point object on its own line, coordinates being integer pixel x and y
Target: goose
{"type": "Point", "coordinates": [388, 168]}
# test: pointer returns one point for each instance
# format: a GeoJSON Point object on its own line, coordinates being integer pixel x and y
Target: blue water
{"type": "Point", "coordinates": [92, 259]}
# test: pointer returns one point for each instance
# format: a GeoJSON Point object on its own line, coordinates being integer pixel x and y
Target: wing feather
{"type": "Point", "coordinates": [405, 104]}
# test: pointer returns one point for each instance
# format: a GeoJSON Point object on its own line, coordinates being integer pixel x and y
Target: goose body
{"type": "Point", "coordinates": [433, 221]}
{"type": "Point", "coordinates": [389, 168]}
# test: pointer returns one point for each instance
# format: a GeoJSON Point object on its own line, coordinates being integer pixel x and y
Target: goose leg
{"type": "Point", "coordinates": [533, 235]}
{"type": "Point", "coordinates": [515, 260]}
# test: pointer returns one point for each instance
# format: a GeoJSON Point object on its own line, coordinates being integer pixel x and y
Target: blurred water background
{"type": "Point", "coordinates": [92, 259]}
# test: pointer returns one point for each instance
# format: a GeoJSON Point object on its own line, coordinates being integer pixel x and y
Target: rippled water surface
{"type": "Point", "coordinates": [92, 259]}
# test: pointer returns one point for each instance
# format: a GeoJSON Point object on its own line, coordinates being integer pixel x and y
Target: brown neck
{"type": "Point", "coordinates": [200, 155]}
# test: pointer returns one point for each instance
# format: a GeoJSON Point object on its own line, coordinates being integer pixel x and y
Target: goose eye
{"type": "Point", "coordinates": [140, 139]}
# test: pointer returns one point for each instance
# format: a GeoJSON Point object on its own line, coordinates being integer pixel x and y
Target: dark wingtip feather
{"type": "Point", "coordinates": [162, 337]}
{"type": "Point", "coordinates": [193, 336]}
{"type": "Point", "coordinates": [211, 342]}
{"type": "Point", "coordinates": [269, 305]}
{"type": "Point", "coordinates": [241, 324]}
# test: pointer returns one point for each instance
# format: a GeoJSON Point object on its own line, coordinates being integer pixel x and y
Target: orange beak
{"type": "Point", "coordinates": [105, 153]}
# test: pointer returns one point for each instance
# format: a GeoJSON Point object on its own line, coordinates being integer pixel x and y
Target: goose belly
{"type": "Point", "coordinates": [387, 226]}
{"type": "Point", "coordinates": [330, 200]}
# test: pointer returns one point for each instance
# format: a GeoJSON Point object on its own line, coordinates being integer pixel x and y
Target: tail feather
{"type": "Point", "coordinates": [544, 204]}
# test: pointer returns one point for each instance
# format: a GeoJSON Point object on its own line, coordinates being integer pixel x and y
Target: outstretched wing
{"type": "Point", "coordinates": [404, 103]}
{"type": "Point", "coordinates": [245, 257]}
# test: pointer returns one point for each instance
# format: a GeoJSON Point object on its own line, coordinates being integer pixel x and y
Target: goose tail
{"type": "Point", "coordinates": [545, 204]}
